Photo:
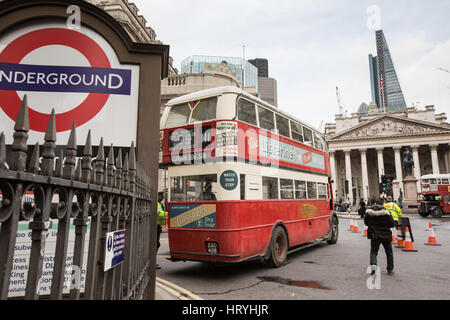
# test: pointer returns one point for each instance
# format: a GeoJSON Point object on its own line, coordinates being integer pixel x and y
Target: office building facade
{"type": "Point", "coordinates": [385, 85]}
{"type": "Point", "coordinates": [267, 87]}
{"type": "Point", "coordinates": [196, 64]}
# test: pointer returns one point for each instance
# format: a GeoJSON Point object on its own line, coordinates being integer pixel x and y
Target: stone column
{"type": "Point", "coordinates": [398, 164]}
{"type": "Point", "coordinates": [333, 171]}
{"type": "Point", "coordinates": [434, 158]}
{"type": "Point", "coordinates": [365, 174]}
{"type": "Point", "coordinates": [380, 163]}
{"type": "Point", "coordinates": [417, 174]}
{"type": "Point", "coordinates": [448, 158]}
{"type": "Point", "coordinates": [348, 175]}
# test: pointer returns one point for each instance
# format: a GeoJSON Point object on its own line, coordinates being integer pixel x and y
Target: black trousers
{"type": "Point", "coordinates": [375, 246]}
{"type": "Point", "coordinates": [158, 234]}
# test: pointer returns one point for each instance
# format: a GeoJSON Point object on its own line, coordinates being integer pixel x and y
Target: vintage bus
{"type": "Point", "coordinates": [246, 180]}
{"type": "Point", "coordinates": [435, 196]}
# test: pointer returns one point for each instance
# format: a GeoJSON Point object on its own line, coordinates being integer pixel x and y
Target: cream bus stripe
{"type": "Point", "coordinates": [180, 289]}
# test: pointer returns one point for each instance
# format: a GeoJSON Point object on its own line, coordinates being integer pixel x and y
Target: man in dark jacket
{"type": "Point", "coordinates": [379, 222]}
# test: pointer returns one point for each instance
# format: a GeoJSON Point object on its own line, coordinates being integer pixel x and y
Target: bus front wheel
{"type": "Point", "coordinates": [334, 226]}
{"type": "Point", "coordinates": [279, 247]}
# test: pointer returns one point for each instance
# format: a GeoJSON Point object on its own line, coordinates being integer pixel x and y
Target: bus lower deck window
{"type": "Point", "coordinates": [286, 189]}
{"type": "Point", "coordinates": [312, 190]}
{"type": "Point", "coordinates": [300, 190]}
{"type": "Point", "coordinates": [270, 188]}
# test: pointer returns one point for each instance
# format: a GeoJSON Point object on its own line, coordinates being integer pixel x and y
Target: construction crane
{"type": "Point", "coordinates": [341, 107]}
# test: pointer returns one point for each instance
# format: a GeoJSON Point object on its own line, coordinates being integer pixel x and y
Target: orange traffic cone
{"type": "Point", "coordinates": [351, 225]}
{"type": "Point", "coordinates": [365, 232]}
{"type": "Point", "coordinates": [409, 247]}
{"type": "Point", "coordinates": [431, 237]}
{"type": "Point", "coordinates": [355, 226]}
{"type": "Point", "coordinates": [400, 240]}
{"type": "Point", "coordinates": [394, 241]}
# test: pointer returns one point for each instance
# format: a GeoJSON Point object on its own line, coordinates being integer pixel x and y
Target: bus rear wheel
{"type": "Point", "coordinates": [437, 212]}
{"type": "Point", "coordinates": [334, 226]}
{"type": "Point", "coordinates": [279, 247]}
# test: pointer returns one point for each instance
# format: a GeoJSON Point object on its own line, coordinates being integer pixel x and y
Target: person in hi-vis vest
{"type": "Point", "coordinates": [161, 220]}
{"type": "Point", "coordinates": [393, 209]}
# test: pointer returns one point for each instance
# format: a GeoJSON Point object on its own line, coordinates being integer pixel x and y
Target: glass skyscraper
{"type": "Point", "coordinates": [196, 64]}
{"type": "Point", "coordinates": [385, 86]}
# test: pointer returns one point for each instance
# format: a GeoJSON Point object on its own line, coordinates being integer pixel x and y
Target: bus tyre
{"type": "Point", "coordinates": [278, 248]}
{"type": "Point", "coordinates": [424, 214]}
{"type": "Point", "coordinates": [437, 212]}
{"type": "Point", "coordinates": [334, 231]}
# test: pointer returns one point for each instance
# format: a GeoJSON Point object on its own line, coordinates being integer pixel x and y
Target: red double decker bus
{"type": "Point", "coordinates": [246, 180]}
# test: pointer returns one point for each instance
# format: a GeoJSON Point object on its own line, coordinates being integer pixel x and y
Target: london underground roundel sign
{"type": "Point", "coordinates": [76, 72]}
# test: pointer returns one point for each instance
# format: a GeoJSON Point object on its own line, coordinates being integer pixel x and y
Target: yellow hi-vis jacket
{"type": "Point", "coordinates": [161, 215]}
{"type": "Point", "coordinates": [394, 210]}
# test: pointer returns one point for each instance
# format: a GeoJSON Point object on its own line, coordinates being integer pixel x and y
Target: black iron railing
{"type": "Point", "coordinates": [86, 198]}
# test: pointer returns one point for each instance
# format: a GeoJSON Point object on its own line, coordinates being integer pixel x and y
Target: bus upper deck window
{"type": "Point", "coordinates": [205, 110]}
{"type": "Point", "coordinates": [297, 132]}
{"type": "Point", "coordinates": [318, 141]}
{"type": "Point", "coordinates": [178, 116]}
{"type": "Point", "coordinates": [266, 120]}
{"type": "Point", "coordinates": [282, 126]}
{"type": "Point", "coordinates": [308, 136]}
{"type": "Point", "coordinates": [247, 112]}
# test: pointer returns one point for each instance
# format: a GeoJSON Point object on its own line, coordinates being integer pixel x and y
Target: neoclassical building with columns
{"type": "Point", "coordinates": [370, 144]}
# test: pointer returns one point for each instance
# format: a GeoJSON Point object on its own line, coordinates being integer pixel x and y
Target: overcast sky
{"type": "Point", "coordinates": [315, 45]}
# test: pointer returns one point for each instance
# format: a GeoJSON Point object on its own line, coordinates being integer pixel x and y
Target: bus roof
{"type": "Point", "coordinates": [435, 176]}
{"type": "Point", "coordinates": [232, 89]}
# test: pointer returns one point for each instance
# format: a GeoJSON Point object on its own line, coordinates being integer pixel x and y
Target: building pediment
{"type": "Point", "coordinates": [387, 126]}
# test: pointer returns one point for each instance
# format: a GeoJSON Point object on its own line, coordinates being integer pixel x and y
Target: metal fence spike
{"type": "Point", "coordinates": [49, 147]}
{"type": "Point", "coordinates": [132, 164]}
{"type": "Point", "coordinates": [72, 143]}
{"type": "Point", "coordinates": [78, 170]}
{"type": "Point", "coordinates": [119, 159]}
{"type": "Point", "coordinates": [110, 167]}
{"type": "Point", "coordinates": [59, 165]}
{"type": "Point", "coordinates": [86, 166]}
{"type": "Point", "coordinates": [87, 151]}
{"type": "Point", "coordinates": [50, 134]}
{"type": "Point", "coordinates": [22, 120]}
{"type": "Point", "coordinates": [71, 153]}
{"type": "Point", "coordinates": [33, 166]}
{"type": "Point", "coordinates": [2, 151]}
{"type": "Point", "coordinates": [19, 147]}
{"type": "Point", "coordinates": [99, 166]}
{"type": "Point", "coordinates": [125, 172]}
{"type": "Point", "coordinates": [101, 151]}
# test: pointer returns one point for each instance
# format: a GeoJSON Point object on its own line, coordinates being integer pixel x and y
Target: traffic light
{"type": "Point", "coordinates": [383, 184]}
{"type": "Point", "coordinates": [346, 187]}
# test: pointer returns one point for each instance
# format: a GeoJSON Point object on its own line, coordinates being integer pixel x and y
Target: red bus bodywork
{"type": "Point", "coordinates": [243, 228]}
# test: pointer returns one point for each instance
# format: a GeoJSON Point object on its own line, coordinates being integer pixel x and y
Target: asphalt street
{"type": "Point", "coordinates": [326, 272]}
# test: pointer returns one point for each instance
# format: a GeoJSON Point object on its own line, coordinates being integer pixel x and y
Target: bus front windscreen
{"type": "Point", "coordinates": [194, 188]}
